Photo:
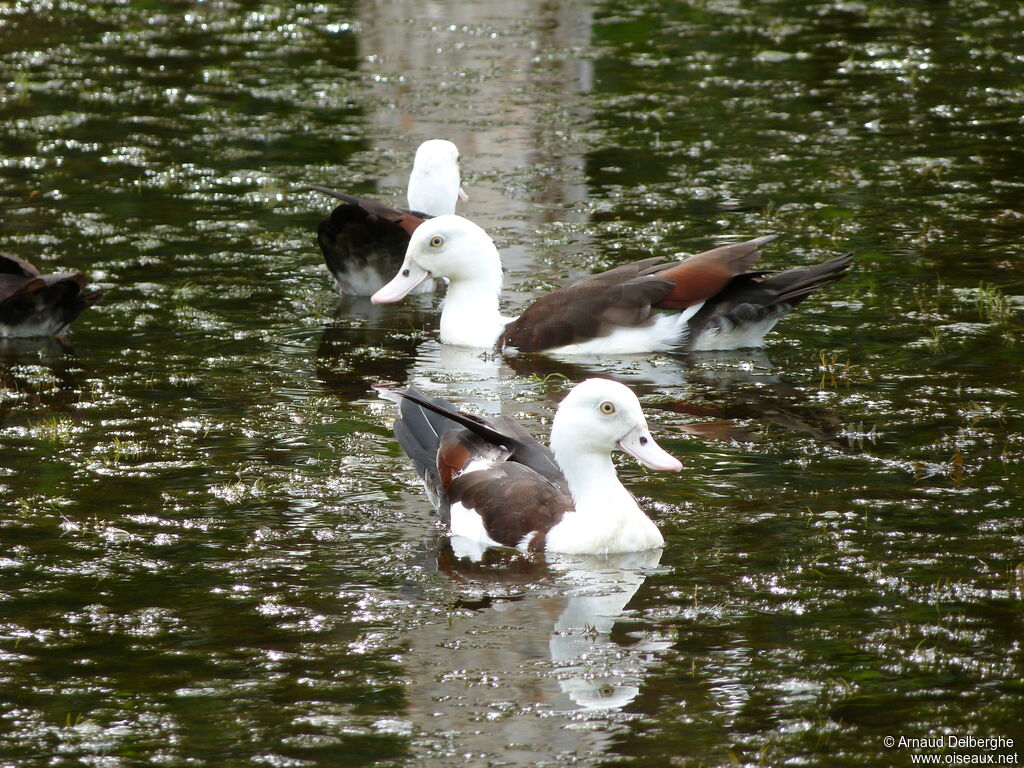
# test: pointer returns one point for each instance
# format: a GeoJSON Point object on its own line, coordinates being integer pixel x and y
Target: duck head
{"type": "Point", "coordinates": [446, 246]}
{"type": "Point", "coordinates": [434, 184]}
{"type": "Point", "coordinates": [599, 416]}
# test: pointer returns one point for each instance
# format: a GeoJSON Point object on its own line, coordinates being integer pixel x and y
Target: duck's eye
{"type": "Point", "coordinates": [436, 241]}
{"type": "Point", "coordinates": [607, 407]}
{"type": "Point", "coordinates": [405, 273]}
{"type": "Point", "coordinates": [643, 440]}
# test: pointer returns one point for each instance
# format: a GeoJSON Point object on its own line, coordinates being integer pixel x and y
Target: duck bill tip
{"type": "Point", "coordinates": [649, 453]}
{"type": "Point", "coordinates": [400, 286]}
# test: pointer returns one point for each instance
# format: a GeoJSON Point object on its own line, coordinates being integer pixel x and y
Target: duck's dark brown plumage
{"type": "Point", "coordinates": [364, 241]}
{"type": "Point", "coordinates": [492, 492]}
{"type": "Point", "coordinates": [34, 304]}
{"type": "Point", "coordinates": [442, 441]}
{"type": "Point", "coordinates": [632, 295]}
{"type": "Point", "coordinates": [627, 296]}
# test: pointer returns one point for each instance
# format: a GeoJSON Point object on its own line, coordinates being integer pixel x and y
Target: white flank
{"type": "Point", "coordinates": [465, 521]}
{"type": "Point", "coordinates": [38, 326]}
{"type": "Point", "coordinates": [667, 332]}
{"type": "Point", "coordinates": [739, 337]}
{"type": "Point", "coordinates": [468, 524]}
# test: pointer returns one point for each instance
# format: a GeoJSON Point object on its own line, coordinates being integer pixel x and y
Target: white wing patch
{"type": "Point", "coordinates": [524, 543]}
{"type": "Point", "coordinates": [468, 524]}
{"type": "Point", "coordinates": [466, 521]}
{"type": "Point", "coordinates": [667, 332]}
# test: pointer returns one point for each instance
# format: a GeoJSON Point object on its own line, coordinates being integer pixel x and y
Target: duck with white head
{"type": "Point", "coordinates": [364, 241]}
{"type": "Point", "coordinates": [497, 486]}
{"type": "Point", "coordinates": [708, 301]}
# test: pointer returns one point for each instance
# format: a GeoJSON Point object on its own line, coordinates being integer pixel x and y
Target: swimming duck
{"type": "Point", "coordinates": [497, 486]}
{"type": "Point", "coordinates": [364, 241]}
{"type": "Point", "coordinates": [708, 301]}
{"type": "Point", "coordinates": [34, 304]}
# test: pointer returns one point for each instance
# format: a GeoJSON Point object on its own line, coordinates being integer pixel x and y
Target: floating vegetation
{"type": "Point", "coordinates": [54, 429]}
{"type": "Point", "coordinates": [956, 463]}
{"type": "Point", "coordinates": [928, 300]}
{"type": "Point", "coordinates": [834, 371]}
{"type": "Point", "coordinates": [993, 304]}
{"type": "Point", "coordinates": [934, 341]}
{"type": "Point", "coordinates": [118, 450]}
{"type": "Point", "coordinates": [547, 379]}
{"type": "Point", "coordinates": [21, 87]}
{"type": "Point", "coordinates": [238, 491]}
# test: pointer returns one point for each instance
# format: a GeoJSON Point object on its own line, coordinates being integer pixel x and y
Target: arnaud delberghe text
{"type": "Point", "coordinates": [949, 741]}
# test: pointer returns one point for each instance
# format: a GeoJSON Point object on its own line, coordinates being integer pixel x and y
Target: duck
{"type": "Point", "coordinates": [33, 304]}
{"type": "Point", "coordinates": [364, 241]}
{"type": "Point", "coordinates": [710, 301]}
{"type": "Point", "coordinates": [495, 485]}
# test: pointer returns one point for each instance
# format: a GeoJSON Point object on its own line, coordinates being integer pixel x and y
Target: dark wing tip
{"type": "Point", "coordinates": [334, 193]}
{"type": "Point", "coordinates": [15, 265]}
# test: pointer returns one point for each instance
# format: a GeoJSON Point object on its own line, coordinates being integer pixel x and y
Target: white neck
{"type": "Point", "coordinates": [433, 189]}
{"type": "Point", "coordinates": [607, 518]}
{"type": "Point", "coordinates": [593, 481]}
{"type": "Point", "coordinates": [470, 317]}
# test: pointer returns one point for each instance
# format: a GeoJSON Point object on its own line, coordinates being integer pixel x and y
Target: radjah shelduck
{"type": "Point", "coordinates": [496, 485]}
{"type": "Point", "coordinates": [712, 300]}
{"type": "Point", "coordinates": [364, 241]}
{"type": "Point", "coordinates": [34, 304]}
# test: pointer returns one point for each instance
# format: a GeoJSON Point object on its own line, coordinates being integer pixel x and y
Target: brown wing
{"type": "Point", "coordinates": [592, 307]}
{"type": "Point", "coordinates": [15, 286]}
{"type": "Point", "coordinates": [627, 296]}
{"type": "Point", "coordinates": [513, 501]}
{"type": "Point", "coordinates": [407, 220]}
{"type": "Point", "coordinates": [755, 298]}
{"type": "Point", "coordinates": [702, 276]}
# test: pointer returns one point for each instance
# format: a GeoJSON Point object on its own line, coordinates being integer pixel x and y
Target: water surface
{"type": "Point", "coordinates": [214, 553]}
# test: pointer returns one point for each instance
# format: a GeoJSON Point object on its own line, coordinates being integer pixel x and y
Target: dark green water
{"type": "Point", "coordinates": [212, 553]}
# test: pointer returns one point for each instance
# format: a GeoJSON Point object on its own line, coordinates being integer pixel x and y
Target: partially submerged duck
{"type": "Point", "coordinates": [364, 241]}
{"type": "Point", "coordinates": [497, 486]}
{"type": "Point", "coordinates": [709, 301]}
{"type": "Point", "coordinates": [34, 304]}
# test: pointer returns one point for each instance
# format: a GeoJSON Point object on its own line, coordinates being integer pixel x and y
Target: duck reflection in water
{"type": "Point", "coordinates": [591, 669]}
{"type": "Point", "coordinates": [717, 391]}
{"type": "Point", "coordinates": [43, 370]}
{"type": "Point", "coordinates": [579, 600]}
